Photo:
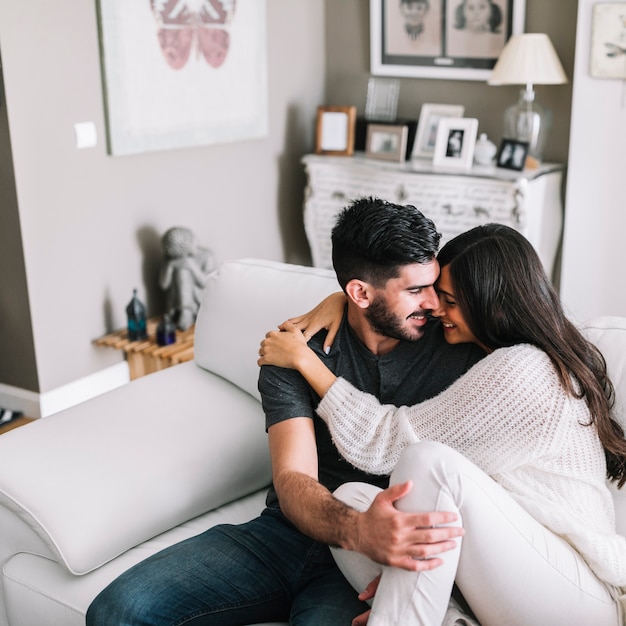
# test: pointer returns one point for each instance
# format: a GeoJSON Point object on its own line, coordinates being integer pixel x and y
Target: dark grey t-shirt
{"type": "Point", "coordinates": [414, 371]}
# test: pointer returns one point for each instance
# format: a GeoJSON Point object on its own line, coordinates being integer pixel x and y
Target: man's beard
{"type": "Point", "coordinates": [384, 322]}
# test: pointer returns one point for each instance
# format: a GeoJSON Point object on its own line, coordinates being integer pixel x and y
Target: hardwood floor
{"type": "Point", "coordinates": [18, 421]}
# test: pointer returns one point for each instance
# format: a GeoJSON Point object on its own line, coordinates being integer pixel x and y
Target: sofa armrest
{"type": "Point", "coordinates": [101, 477]}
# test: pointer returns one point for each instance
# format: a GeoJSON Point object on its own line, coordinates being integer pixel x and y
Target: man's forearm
{"type": "Point", "coordinates": [314, 510]}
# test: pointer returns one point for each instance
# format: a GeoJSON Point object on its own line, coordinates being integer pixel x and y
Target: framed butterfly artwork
{"type": "Point", "coordinates": [183, 73]}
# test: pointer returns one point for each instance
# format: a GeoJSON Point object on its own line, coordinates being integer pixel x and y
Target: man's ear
{"type": "Point", "coordinates": [359, 292]}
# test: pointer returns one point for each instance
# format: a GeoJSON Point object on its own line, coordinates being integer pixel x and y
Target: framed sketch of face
{"type": "Point", "coordinates": [451, 40]}
{"type": "Point", "coordinates": [456, 139]}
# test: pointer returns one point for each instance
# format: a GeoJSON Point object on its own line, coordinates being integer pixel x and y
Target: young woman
{"type": "Point", "coordinates": [519, 447]}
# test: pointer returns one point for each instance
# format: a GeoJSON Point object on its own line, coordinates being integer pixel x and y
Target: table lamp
{"type": "Point", "coordinates": [528, 59]}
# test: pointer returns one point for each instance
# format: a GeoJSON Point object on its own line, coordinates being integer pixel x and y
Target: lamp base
{"type": "Point", "coordinates": [528, 121]}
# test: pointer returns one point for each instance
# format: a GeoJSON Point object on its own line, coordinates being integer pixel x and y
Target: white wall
{"type": "Point", "coordinates": [90, 224]}
{"type": "Point", "coordinates": [594, 241]}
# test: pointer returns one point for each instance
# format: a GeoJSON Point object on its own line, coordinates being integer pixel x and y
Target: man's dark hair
{"type": "Point", "coordinates": [373, 238]}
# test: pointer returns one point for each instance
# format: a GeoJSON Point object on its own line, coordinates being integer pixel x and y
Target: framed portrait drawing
{"type": "Point", "coordinates": [456, 139]}
{"type": "Point", "coordinates": [441, 38]}
{"type": "Point", "coordinates": [512, 154]}
{"type": "Point", "coordinates": [426, 136]}
{"type": "Point", "coordinates": [386, 142]}
{"type": "Point", "coordinates": [335, 129]}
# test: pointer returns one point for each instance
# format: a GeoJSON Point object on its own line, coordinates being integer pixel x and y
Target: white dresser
{"type": "Point", "coordinates": [529, 201]}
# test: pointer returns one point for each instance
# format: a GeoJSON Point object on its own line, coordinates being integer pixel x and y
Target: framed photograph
{"type": "Point", "coordinates": [441, 38]}
{"type": "Point", "coordinates": [608, 40]}
{"type": "Point", "coordinates": [512, 154]}
{"type": "Point", "coordinates": [386, 142]}
{"type": "Point", "coordinates": [335, 130]}
{"type": "Point", "coordinates": [456, 139]}
{"type": "Point", "coordinates": [430, 114]}
{"type": "Point", "coordinates": [181, 79]}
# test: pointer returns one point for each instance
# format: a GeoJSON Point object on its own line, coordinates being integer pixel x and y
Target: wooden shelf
{"type": "Point", "coordinates": [146, 357]}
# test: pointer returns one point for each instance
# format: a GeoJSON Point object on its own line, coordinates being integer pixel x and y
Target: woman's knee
{"type": "Point", "coordinates": [425, 457]}
{"type": "Point", "coordinates": [434, 469]}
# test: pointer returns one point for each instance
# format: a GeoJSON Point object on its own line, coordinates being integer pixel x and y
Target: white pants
{"type": "Point", "coordinates": [511, 570]}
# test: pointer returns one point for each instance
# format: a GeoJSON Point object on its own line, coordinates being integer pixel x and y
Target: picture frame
{"type": "Point", "coordinates": [430, 114]}
{"type": "Point", "coordinates": [156, 100]}
{"type": "Point", "coordinates": [434, 39]}
{"type": "Point", "coordinates": [512, 154]}
{"type": "Point", "coordinates": [608, 41]}
{"type": "Point", "coordinates": [335, 130]}
{"type": "Point", "coordinates": [386, 141]}
{"type": "Point", "coordinates": [456, 140]}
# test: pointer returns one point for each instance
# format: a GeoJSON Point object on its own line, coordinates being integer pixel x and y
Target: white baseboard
{"type": "Point", "coordinates": [43, 404]}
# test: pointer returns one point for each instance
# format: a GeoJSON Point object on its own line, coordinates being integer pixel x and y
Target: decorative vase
{"type": "Point", "coordinates": [166, 331]}
{"type": "Point", "coordinates": [485, 150]}
{"type": "Point", "coordinates": [136, 313]}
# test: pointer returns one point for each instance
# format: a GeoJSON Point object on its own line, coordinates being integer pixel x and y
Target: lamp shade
{"type": "Point", "coordinates": [529, 58]}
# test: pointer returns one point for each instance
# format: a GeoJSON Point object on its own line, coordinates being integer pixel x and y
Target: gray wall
{"type": "Point", "coordinates": [347, 30]}
{"type": "Point", "coordinates": [79, 229]}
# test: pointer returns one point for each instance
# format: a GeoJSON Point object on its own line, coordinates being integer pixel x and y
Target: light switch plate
{"type": "Point", "coordinates": [86, 135]}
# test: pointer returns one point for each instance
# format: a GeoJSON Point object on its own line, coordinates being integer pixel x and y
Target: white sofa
{"type": "Point", "coordinates": [90, 491]}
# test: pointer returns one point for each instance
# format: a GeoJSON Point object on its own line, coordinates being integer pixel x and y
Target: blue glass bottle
{"type": "Point", "coordinates": [166, 331]}
{"type": "Point", "coordinates": [136, 313]}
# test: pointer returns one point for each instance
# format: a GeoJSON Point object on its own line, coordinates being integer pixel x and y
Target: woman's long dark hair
{"type": "Point", "coordinates": [506, 298]}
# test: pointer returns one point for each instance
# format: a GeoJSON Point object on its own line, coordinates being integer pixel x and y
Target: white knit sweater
{"type": "Point", "coordinates": [511, 417]}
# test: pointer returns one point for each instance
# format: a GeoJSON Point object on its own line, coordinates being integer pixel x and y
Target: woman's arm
{"type": "Point", "coordinates": [327, 314]}
{"type": "Point", "coordinates": [288, 348]}
{"type": "Point", "coordinates": [486, 415]}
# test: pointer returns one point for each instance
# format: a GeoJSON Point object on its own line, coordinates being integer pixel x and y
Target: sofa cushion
{"type": "Point", "coordinates": [241, 302]}
{"type": "Point", "coordinates": [40, 591]}
{"type": "Point", "coordinates": [609, 334]}
{"type": "Point", "coordinates": [146, 462]}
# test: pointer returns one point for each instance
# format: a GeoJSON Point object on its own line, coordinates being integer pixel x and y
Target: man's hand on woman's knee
{"type": "Point", "coordinates": [410, 541]}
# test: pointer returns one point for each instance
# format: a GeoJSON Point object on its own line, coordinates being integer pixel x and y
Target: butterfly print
{"type": "Point", "coordinates": [183, 22]}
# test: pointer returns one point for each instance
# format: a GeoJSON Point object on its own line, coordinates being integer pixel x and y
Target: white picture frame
{"type": "Point", "coordinates": [608, 41]}
{"type": "Point", "coordinates": [426, 136]}
{"type": "Point", "coordinates": [203, 95]}
{"type": "Point", "coordinates": [456, 140]}
{"type": "Point", "coordinates": [430, 42]}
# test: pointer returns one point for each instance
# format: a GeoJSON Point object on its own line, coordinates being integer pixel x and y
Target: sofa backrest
{"type": "Point", "coordinates": [243, 300]}
{"type": "Point", "coordinates": [609, 334]}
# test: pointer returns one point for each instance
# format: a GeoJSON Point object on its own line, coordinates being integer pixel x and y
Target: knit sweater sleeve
{"type": "Point", "coordinates": [499, 414]}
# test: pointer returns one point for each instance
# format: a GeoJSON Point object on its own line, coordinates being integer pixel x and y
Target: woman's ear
{"type": "Point", "coordinates": [359, 292]}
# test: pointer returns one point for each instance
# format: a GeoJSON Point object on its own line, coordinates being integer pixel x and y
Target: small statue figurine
{"type": "Point", "coordinates": [183, 275]}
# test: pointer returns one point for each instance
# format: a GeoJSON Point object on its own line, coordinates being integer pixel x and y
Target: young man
{"type": "Point", "coordinates": [278, 566]}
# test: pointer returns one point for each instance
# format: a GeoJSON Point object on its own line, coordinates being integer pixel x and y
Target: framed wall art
{"type": "Point", "coordinates": [441, 38]}
{"type": "Point", "coordinates": [608, 40]}
{"type": "Point", "coordinates": [335, 128]}
{"type": "Point", "coordinates": [179, 75]}
{"type": "Point", "coordinates": [430, 114]}
{"type": "Point", "coordinates": [456, 139]}
{"type": "Point", "coordinates": [387, 142]}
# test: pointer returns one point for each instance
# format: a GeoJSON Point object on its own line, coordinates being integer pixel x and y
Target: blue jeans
{"type": "Point", "coordinates": [264, 570]}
